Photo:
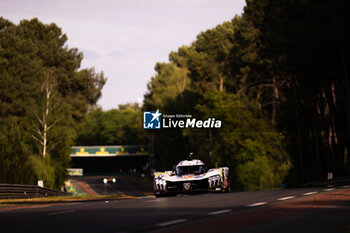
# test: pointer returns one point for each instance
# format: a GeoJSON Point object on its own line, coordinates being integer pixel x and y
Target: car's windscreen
{"type": "Point", "coordinates": [186, 170]}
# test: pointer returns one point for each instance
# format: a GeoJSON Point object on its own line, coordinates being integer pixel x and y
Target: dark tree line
{"type": "Point", "coordinates": [306, 46]}
{"type": "Point", "coordinates": [282, 64]}
{"type": "Point", "coordinates": [212, 78]}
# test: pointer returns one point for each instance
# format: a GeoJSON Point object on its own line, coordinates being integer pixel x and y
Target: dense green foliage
{"type": "Point", "coordinates": [42, 95]}
{"type": "Point", "coordinates": [121, 126]}
{"type": "Point", "coordinates": [277, 77]}
{"type": "Point", "coordinates": [246, 142]}
{"type": "Point", "coordinates": [210, 78]}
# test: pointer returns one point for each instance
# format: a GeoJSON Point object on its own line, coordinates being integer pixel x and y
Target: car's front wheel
{"type": "Point", "coordinates": [158, 194]}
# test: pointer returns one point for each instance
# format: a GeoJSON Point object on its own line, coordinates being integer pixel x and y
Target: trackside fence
{"type": "Point", "coordinates": [28, 191]}
{"type": "Point", "coordinates": [338, 181]}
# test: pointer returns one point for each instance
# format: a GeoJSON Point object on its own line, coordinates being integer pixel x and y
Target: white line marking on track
{"type": "Point", "coordinates": [285, 198]}
{"type": "Point", "coordinates": [164, 224]}
{"type": "Point", "coordinates": [346, 186]}
{"type": "Point", "coordinates": [62, 212]}
{"type": "Point", "coordinates": [38, 207]}
{"type": "Point", "coordinates": [257, 204]}
{"type": "Point", "coordinates": [330, 189]}
{"type": "Point", "coordinates": [219, 212]}
{"type": "Point", "coordinates": [309, 193]}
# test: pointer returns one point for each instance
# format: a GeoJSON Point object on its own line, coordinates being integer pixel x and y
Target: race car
{"type": "Point", "coordinates": [190, 176]}
{"type": "Point", "coordinates": [109, 179]}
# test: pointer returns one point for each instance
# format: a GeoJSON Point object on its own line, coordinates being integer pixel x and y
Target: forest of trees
{"type": "Point", "coordinates": [277, 76]}
{"type": "Point", "coordinates": [43, 98]}
{"type": "Point", "coordinates": [122, 126]}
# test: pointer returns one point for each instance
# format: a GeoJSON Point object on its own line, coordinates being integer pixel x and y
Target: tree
{"type": "Point", "coordinates": [246, 143]}
{"type": "Point", "coordinates": [41, 90]}
{"type": "Point", "coordinates": [45, 121]}
{"type": "Point", "coordinates": [304, 41]}
{"type": "Point", "coordinates": [170, 82]}
{"type": "Point", "coordinates": [221, 66]}
{"type": "Point", "coordinates": [122, 126]}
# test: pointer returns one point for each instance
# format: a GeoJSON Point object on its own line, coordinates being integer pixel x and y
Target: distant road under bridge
{"type": "Point", "coordinates": [96, 160]}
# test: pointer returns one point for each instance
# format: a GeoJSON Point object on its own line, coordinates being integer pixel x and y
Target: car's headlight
{"type": "Point", "coordinates": [160, 184]}
{"type": "Point", "coordinates": [105, 180]}
{"type": "Point", "coordinates": [160, 181]}
{"type": "Point", "coordinates": [214, 181]}
{"type": "Point", "coordinates": [216, 177]}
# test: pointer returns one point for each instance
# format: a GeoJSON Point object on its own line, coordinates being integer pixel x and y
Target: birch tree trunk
{"type": "Point", "coordinates": [44, 126]}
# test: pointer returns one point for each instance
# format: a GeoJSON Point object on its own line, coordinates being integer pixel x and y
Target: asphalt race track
{"type": "Point", "coordinates": [294, 210]}
{"type": "Point", "coordinates": [123, 185]}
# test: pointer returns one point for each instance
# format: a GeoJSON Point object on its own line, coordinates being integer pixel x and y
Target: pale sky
{"type": "Point", "coordinates": [125, 38]}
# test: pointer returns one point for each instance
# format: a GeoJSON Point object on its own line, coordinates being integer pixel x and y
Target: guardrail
{"type": "Point", "coordinates": [28, 191]}
{"type": "Point", "coordinates": [338, 181]}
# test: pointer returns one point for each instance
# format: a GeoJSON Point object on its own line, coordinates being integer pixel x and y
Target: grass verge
{"type": "Point", "coordinates": [63, 199]}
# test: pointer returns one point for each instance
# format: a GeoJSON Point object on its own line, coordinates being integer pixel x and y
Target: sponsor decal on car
{"type": "Point", "coordinates": [187, 177]}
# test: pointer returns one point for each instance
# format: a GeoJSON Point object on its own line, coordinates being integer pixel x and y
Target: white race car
{"type": "Point", "coordinates": [190, 176]}
{"type": "Point", "coordinates": [109, 179]}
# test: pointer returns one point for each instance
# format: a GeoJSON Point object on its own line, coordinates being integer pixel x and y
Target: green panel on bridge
{"type": "Point", "coordinates": [106, 151]}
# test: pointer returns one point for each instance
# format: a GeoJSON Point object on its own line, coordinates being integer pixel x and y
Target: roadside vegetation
{"type": "Point", "coordinates": [278, 78]}
{"type": "Point", "coordinates": [63, 199]}
{"type": "Point", "coordinates": [43, 98]}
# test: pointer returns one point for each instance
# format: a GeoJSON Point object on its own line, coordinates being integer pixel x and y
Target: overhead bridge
{"type": "Point", "coordinates": [110, 159]}
{"type": "Point", "coordinates": [109, 151]}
